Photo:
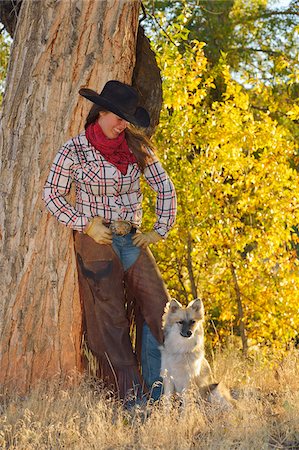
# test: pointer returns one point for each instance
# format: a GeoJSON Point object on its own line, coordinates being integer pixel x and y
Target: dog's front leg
{"type": "Point", "coordinates": [187, 399]}
{"type": "Point", "coordinates": [168, 390]}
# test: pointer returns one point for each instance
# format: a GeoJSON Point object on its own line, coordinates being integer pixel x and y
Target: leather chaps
{"type": "Point", "coordinates": [115, 305]}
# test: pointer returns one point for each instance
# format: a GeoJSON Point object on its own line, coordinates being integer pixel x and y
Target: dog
{"type": "Point", "coordinates": [183, 362]}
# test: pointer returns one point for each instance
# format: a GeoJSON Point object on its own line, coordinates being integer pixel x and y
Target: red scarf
{"type": "Point", "coordinates": [115, 151]}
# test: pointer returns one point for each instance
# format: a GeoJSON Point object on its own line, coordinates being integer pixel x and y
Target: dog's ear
{"type": "Point", "coordinates": [171, 308]}
{"type": "Point", "coordinates": [212, 387]}
{"type": "Point", "coordinates": [198, 308]}
{"type": "Point", "coordinates": [174, 305]}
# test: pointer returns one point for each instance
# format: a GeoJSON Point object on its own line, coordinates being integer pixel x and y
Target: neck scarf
{"type": "Point", "coordinates": [115, 151]}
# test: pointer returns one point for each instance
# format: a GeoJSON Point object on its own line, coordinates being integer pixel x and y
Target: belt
{"type": "Point", "coordinates": [121, 227]}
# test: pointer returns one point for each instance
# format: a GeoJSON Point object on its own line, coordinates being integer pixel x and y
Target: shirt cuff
{"type": "Point", "coordinates": [160, 230]}
{"type": "Point", "coordinates": [80, 224]}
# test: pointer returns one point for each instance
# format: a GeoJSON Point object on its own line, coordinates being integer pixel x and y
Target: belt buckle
{"type": "Point", "coordinates": [120, 227]}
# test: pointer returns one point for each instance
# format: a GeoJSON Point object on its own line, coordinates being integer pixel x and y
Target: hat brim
{"type": "Point", "coordinates": [141, 117]}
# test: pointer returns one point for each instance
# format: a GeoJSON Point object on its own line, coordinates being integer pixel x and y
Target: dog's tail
{"type": "Point", "coordinates": [219, 395]}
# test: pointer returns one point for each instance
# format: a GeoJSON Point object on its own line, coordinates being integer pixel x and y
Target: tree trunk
{"type": "Point", "coordinates": [58, 47]}
{"type": "Point", "coordinates": [242, 329]}
{"type": "Point", "coordinates": [190, 266]}
{"type": "Point", "coordinates": [147, 80]}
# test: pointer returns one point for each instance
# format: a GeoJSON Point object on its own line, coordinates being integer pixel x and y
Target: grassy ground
{"type": "Point", "coordinates": [82, 417]}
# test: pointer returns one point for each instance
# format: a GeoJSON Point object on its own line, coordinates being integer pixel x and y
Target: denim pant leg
{"type": "Point", "coordinates": [151, 363]}
{"type": "Point", "coordinates": [150, 353]}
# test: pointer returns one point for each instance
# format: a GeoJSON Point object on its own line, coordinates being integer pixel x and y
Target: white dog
{"type": "Point", "coordinates": [183, 363]}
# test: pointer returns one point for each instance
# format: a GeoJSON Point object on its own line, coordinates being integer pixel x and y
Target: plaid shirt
{"type": "Point", "coordinates": [102, 190]}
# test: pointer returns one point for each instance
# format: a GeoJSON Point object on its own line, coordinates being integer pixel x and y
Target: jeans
{"type": "Point", "coordinates": [151, 363]}
{"type": "Point", "coordinates": [125, 249]}
{"type": "Point", "coordinates": [150, 353]}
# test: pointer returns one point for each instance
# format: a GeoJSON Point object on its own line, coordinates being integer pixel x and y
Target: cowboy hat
{"type": "Point", "coordinates": [121, 99]}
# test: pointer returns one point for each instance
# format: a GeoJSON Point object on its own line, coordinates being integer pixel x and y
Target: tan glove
{"type": "Point", "coordinates": [144, 239]}
{"type": "Point", "coordinates": [98, 232]}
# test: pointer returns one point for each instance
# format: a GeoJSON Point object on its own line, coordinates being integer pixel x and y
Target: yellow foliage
{"type": "Point", "coordinates": [237, 199]}
{"type": "Point", "coordinates": [294, 113]}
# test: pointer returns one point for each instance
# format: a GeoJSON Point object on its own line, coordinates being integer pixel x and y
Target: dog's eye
{"type": "Point", "coordinates": [180, 322]}
{"type": "Point", "coordinates": [192, 322]}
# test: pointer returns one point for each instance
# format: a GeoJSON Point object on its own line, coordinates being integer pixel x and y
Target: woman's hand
{"type": "Point", "coordinates": [144, 239]}
{"type": "Point", "coordinates": [98, 232]}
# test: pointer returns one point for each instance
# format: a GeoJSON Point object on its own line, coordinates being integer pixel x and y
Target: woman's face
{"type": "Point", "coordinates": [111, 124]}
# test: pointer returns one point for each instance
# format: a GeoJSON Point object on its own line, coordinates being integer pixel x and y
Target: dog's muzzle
{"type": "Point", "coordinates": [121, 227]}
{"type": "Point", "coordinates": [186, 334]}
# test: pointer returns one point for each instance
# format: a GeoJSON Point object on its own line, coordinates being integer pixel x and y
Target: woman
{"type": "Point", "coordinates": [118, 279]}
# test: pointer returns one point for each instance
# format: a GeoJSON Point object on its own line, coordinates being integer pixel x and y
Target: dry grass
{"type": "Point", "coordinates": [83, 417]}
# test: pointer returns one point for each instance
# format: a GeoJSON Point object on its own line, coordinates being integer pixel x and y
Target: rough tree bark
{"type": "Point", "coordinates": [146, 75]}
{"type": "Point", "coordinates": [58, 47]}
{"type": "Point", "coordinates": [147, 79]}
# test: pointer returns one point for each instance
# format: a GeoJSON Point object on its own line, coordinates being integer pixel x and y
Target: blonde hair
{"type": "Point", "coordinates": [140, 145]}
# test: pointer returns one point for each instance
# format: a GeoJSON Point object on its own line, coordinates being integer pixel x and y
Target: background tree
{"type": "Point", "coordinates": [250, 33]}
{"type": "Point", "coordinates": [232, 168]}
{"type": "Point", "coordinates": [256, 44]}
{"type": "Point", "coordinates": [58, 47]}
{"type": "Point", "coordinates": [259, 38]}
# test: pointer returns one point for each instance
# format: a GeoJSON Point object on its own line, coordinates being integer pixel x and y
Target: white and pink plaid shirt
{"type": "Point", "coordinates": [102, 190]}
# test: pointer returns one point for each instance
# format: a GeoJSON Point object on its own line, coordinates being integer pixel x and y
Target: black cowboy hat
{"type": "Point", "coordinates": [121, 99]}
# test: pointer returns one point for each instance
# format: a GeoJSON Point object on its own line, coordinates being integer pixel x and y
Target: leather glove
{"type": "Point", "coordinates": [144, 239]}
{"type": "Point", "coordinates": [98, 232]}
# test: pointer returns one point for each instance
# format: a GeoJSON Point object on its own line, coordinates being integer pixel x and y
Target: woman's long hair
{"type": "Point", "coordinates": [138, 142]}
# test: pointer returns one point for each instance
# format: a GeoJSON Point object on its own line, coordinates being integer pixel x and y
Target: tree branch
{"type": "Point", "coordinates": [278, 13]}
{"type": "Point", "coordinates": [9, 11]}
{"type": "Point", "coordinates": [260, 50]}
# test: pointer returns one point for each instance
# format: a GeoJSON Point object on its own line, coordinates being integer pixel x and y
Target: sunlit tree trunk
{"type": "Point", "coordinates": [241, 318]}
{"type": "Point", "coordinates": [190, 266]}
{"type": "Point", "coordinates": [59, 46]}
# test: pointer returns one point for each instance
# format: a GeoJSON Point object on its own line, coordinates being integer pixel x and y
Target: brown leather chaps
{"type": "Point", "coordinates": [115, 305]}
